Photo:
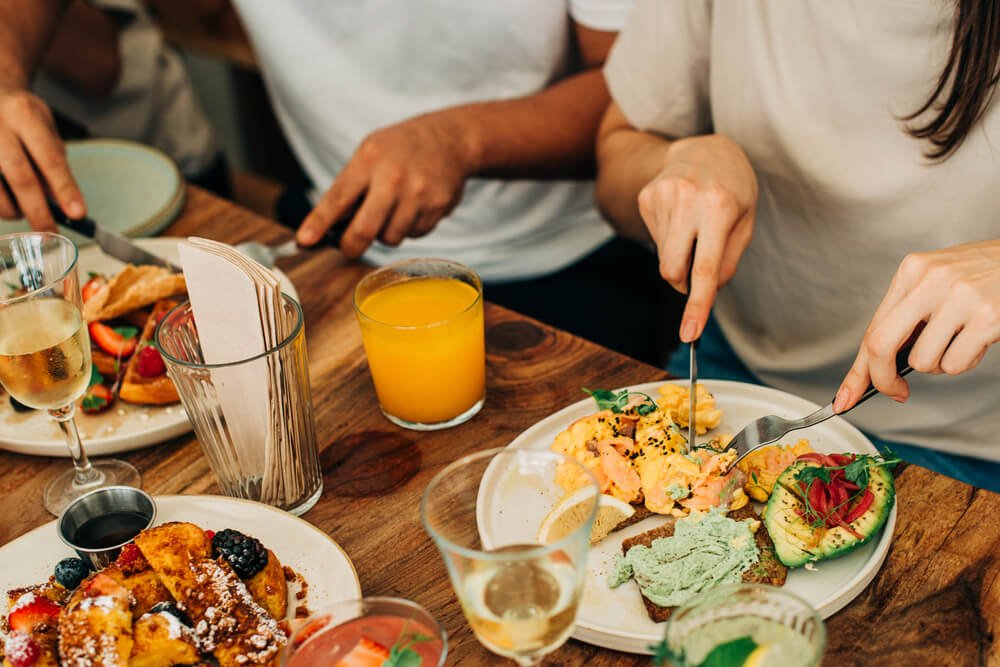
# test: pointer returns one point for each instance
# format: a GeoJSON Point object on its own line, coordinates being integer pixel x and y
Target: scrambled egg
{"type": "Point", "coordinates": [676, 400]}
{"type": "Point", "coordinates": [641, 459]}
{"type": "Point", "coordinates": [765, 465]}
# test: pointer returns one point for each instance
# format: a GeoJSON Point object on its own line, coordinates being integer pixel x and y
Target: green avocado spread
{"type": "Point", "coordinates": [706, 549]}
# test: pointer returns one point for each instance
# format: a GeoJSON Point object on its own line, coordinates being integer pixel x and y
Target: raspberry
{"type": "Point", "coordinates": [245, 554]}
{"type": "Point", "coordinates": [150, 363]}
{"type": "Point", "coordinates": [128, 556]}
{"type": "Point", "coordinates": [20, 650]}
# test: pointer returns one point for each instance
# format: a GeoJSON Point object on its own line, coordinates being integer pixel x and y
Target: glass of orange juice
{"type": "Point", "coordinates": [422, 327]}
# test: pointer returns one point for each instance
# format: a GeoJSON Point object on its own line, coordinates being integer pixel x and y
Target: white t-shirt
{"type": "Point", "coordinates": [153, 103]}
{"type": "Point", "coordinates": [338, 70]}
{"type": "Point", "coordinates": [813, 92]}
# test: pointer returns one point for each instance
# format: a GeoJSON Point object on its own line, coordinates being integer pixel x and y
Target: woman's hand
{"type": "Point", "coordinates": [951, 297]}
{"type": "Point", "coordinates": [410, 176]}
{"type": "Point", "coordinates": [33, 160]}
{"type": "Point", "coordinates": [706, 192]}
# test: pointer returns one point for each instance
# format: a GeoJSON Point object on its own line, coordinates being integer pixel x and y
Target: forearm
{"type": "Point", "coordinates": [25, 29]}
{"type": "Point", "coordinates": [627, 160]}
{"type": "Point", "coordinates": [546, 135]}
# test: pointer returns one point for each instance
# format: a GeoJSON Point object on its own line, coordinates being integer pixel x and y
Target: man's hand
{"type": "Point", "coordinates": [705, 192]}
{"type": "Point", "coordinates": [410, 175]}
{"type": "Point", "coordinates": [952, 297]}
{"type": "Point", "coordinates": [33, 160]}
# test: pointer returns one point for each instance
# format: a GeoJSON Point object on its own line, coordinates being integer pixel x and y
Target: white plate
{"type": "Point", "coordinates": [617, 618]}
{"type": "Point", "coordinates": [328, 571]}
{"type": "Point", "coordinates": [124, 427]}
{"type": "Point", "coordinates": [129, 187]}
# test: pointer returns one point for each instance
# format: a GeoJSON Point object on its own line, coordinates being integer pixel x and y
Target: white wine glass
{"type": "Point", "coordinates": [45, 352]}
{"type": "Point", "coordinates": [484, 512]}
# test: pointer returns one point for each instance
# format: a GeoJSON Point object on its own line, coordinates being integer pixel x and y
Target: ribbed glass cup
{"type": "Point", "coordinates": [278, 465]}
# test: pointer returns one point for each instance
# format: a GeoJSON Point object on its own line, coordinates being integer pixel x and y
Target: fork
{"type": "Point", "coordinates": [767, 430]}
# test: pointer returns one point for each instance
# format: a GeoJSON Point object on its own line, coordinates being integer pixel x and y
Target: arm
{"type": "Point", "coordinates": [700, 189]}
{"type": "Point", "coordinates": [412, 174]}
{"type": "Point", "coordinates": [84, 51]}
{"type": "Point", "coordinates": [948, 302]}
{"type": "Point", "coordinates": [28, 139]}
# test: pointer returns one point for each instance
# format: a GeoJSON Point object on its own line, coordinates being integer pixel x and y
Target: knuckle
{"type": "Point", "coordinates": [721, 201]}
{"type": "Point", "coordinates": [706, 271]}
{"type": "Point", "coordinates": [419, 186]}
{"type": "Point", "coordinates": [951, 367]}
{"type": "Point", "coordinates": [684, 190]}
{"type": "Point", "coordinates": [877, 345]}
{"type": "Point", "coordinates": [915, 264]}
{"type": "Point", "coordinates": [988, 314]}
{"type": "Point", "coordinates": [370, 149]}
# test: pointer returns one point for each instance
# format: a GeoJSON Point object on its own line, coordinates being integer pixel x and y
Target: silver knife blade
{"type": "Point", "coordinates": [693, 402]}
{"type": "Point", "coordinates": [121, 247]}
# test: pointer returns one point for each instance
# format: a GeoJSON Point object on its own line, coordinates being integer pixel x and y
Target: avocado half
{"type": "Point", "coordinates": [794, 538]}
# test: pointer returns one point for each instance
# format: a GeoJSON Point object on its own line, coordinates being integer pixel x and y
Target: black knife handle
{"type": "Point", "coordinates": [335, 234]}
{"type": "Point", "coordinates": [84, 226]}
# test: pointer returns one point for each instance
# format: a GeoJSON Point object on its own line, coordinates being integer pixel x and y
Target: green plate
{"type": "Point", "coordinates": [129, 187]}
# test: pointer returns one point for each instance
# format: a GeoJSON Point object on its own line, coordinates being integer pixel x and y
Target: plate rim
{"type": "Point", "coordinates": [225, 500]}
{"type": "Point", "coordinates": [831, 604]}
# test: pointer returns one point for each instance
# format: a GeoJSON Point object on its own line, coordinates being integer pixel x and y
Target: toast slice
{"type": "Point", "coordinates": [767, 570]}
{"type": "Point", "coordinates": [162, 641]}
{"type": "Point", "coordinates": [136, 388]}
{"type": "Point", "coordinates": [269, 588]}
{"type": "Point", "coordinates": [227, 621]}
{"type": "Point", "coordinates": [133, 287]}
{"type": "Point", "coordinates": [95, 627]}
{"type": "Point", "coordinates": [45, 634]}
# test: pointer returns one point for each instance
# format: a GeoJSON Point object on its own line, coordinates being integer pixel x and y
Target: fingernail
{"type": "Point", "coordinates": [840, 402]}
{"type": "Point", "coordinates": [75, 210]}
{"type": "Point", "coordinates": [689, 331]}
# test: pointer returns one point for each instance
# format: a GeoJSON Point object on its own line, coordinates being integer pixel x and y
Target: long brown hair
{"type": "Point", "coordinates": [967, 82]}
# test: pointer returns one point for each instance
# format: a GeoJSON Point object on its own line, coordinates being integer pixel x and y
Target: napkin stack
{"type": "Point", "coordinates": [240, 314]}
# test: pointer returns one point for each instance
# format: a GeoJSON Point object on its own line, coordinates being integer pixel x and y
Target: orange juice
{"type": "Point", "coordinates": [426, 349]}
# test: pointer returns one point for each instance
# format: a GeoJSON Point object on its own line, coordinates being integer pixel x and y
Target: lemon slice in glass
{"type": "Point", "coordinates": [570, 513]}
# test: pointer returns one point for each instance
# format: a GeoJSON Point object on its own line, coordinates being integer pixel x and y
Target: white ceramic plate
{"type": "Point", "coordinates": [309, 551]}
{"type": "Point", "coordinates": [122, 428]}
{"type": "Point", "coordinates": [129, 187]}
{"type": "Point", "coordinates": [617, 618]}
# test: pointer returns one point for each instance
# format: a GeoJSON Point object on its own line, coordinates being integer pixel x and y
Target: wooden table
{"type": "Point", "coordinates": [935, 602]}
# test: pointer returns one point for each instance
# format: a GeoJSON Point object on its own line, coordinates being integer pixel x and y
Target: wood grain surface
{"type": "Point", "coordinates": [935, 602]}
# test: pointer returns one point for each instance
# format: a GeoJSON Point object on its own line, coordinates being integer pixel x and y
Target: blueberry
{"type": "Point", "coordinates": [70, 572]}
{"type": "Point", "coordinates": [172, 609]}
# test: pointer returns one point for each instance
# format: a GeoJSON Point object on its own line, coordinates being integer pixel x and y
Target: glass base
{"type": "Point", "coordinates": [437, 426]}
{"type": "Point", "coordinates": [307, 504]}
{"type": "Point", "coordinates": [63, 490]}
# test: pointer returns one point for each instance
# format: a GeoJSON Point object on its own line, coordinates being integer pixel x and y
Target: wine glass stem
{"type": "Point", "coordinates": [529, 662]}
{"type": "Point", "coordinates": [85, 473]}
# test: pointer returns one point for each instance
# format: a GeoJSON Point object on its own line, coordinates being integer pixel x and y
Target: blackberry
{"type": "Point", "coordinates": [70, 572]}
{"type": "Point", "coordinates": [246, 554]}
{"type": "Point", "coordinates": [172, 609]}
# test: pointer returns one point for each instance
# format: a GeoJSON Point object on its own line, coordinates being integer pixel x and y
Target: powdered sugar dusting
{"type": "Point", "coordinates": [23, 601]}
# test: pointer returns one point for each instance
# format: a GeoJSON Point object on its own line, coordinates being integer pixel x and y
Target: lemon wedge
{"type": "Point", "coordinates": [570, 513]}
{"type": "Point", "coordinates": [756, 658]}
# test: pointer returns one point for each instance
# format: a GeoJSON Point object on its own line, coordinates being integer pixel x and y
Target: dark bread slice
{"type": "Point", "coordinates": [768, 569]}
{"type": "Point", "coordinates": [640, 513]}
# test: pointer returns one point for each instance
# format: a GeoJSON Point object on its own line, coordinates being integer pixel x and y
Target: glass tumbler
{"type": "Point", "coordinates": [778, 628]}
{"type": "Point", "coordinates": [422, 327]}
{"type": "Point", "coordinates": [253, 417]}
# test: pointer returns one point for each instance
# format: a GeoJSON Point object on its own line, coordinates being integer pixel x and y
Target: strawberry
{"type": "Point", "coordinates": [90, 287]}
{"type": "Point", "coordinates": [97, 399]}
{"type": "Point", "coordinates": [209, 534]}
{"type": "Point", "coordinates": [33, 614]}
{"type": "Point", "coordinates": [118, 342]}
{"type": "Point", "coordinates": [149, 363]}
{"type": "Point", "coordinates": [21, 650]}
{"type": "Point", "coordinates": [129, 555]}
{"type": "Point", "coordinates": [366, 653]}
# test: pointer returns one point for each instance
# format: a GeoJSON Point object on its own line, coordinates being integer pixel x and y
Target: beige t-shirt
{"type": "Point", "coordinates": [813, 90]}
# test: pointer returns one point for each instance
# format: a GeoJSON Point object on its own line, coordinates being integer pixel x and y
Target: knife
{"type": "Point", "coordinates": [112, 243]}
{"type": "Point", "coordinates": [692, 366]}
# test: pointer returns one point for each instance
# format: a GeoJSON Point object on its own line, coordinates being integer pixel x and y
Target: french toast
{"type": "Point", "coordinates": [767, 570]}
{"type": "Point", "coordinates": [144, 389]}
{"type": "Point", "coordinates": [34, 614]}
{"type": "Point", "coordinates": [161, 640]}
{"type": "Point", "coordinates": [269, 588]}
{"type": "Point", "coordinates": [95, 626]}
{"type": "Point", "coordinates": [227, 621]}
{"type": "Point", "coordinates": [134, 287]}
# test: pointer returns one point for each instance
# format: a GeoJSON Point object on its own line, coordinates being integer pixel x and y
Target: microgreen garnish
{"type": "Point", "coordinates": [127, 332]}
{"type": "Point", "coordinates": [93, 274]}
{"type": "Point", "coordinates": [617, 400]}
{"type": "Point", "coordinates": [401, 655]}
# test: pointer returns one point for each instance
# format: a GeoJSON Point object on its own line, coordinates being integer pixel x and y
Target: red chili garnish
{"type": "Point", "coordinates": [862, 506]}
